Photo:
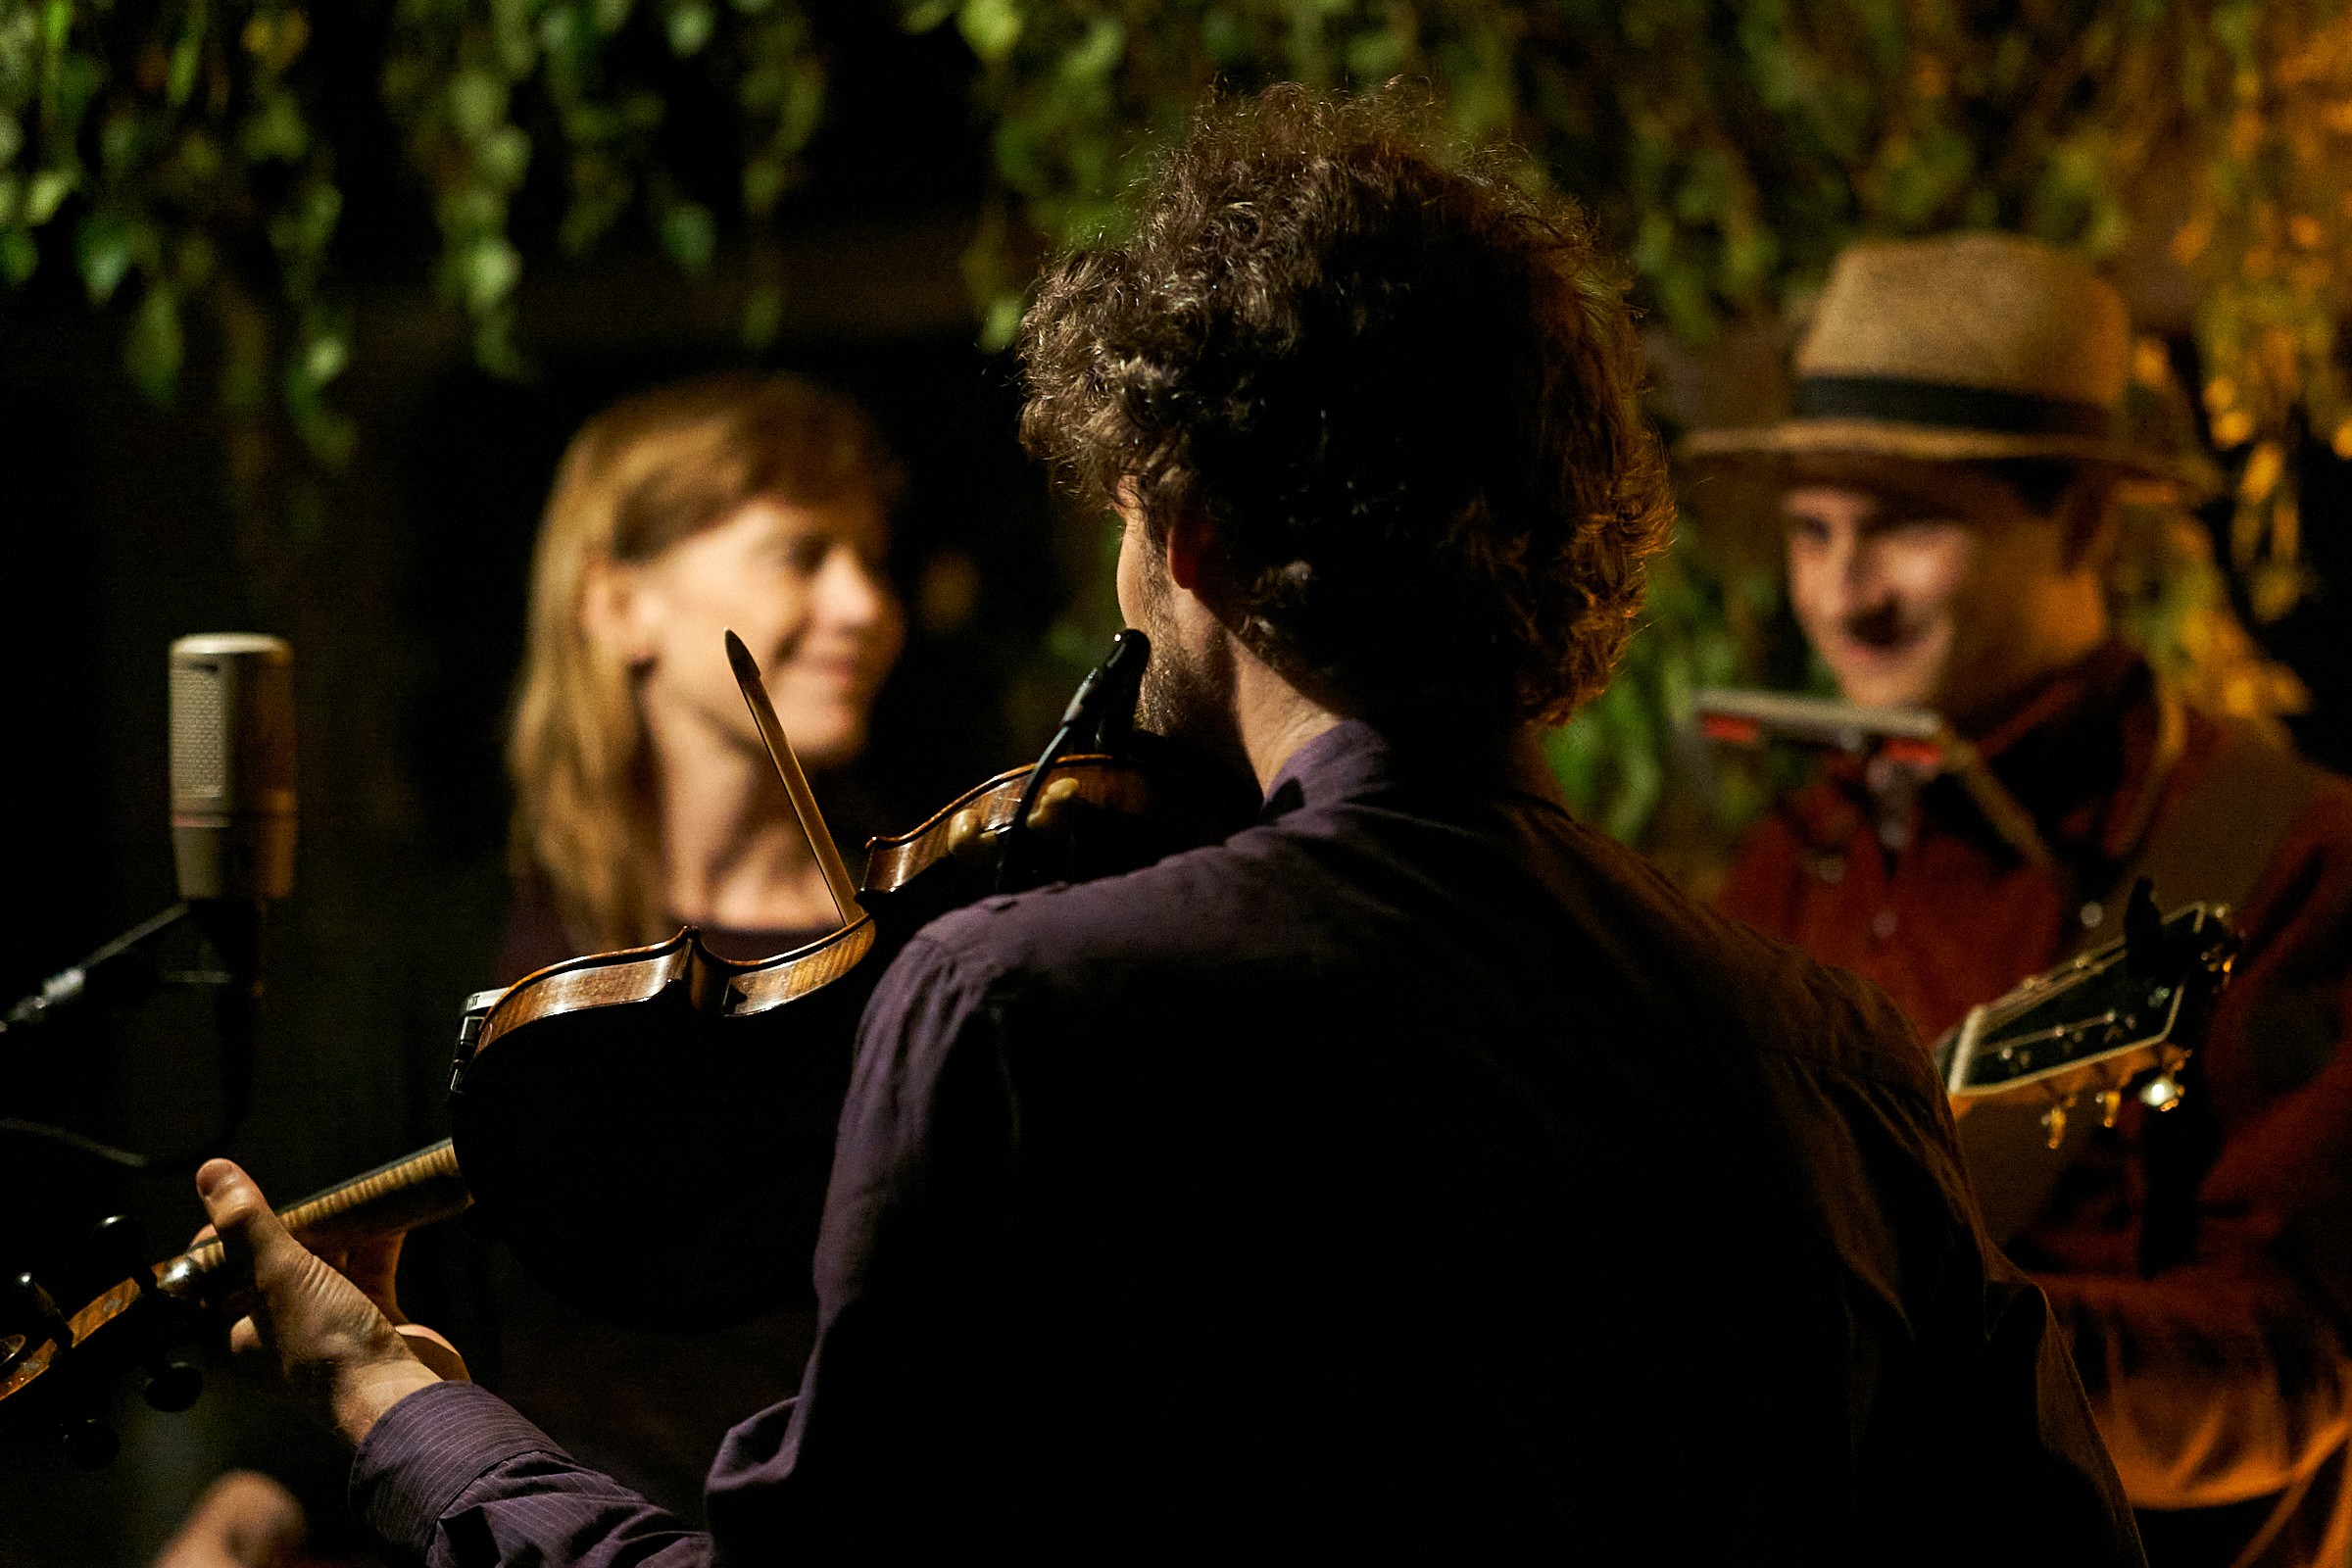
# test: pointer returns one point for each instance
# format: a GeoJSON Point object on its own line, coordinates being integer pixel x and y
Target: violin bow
{"type": "Point", "coordinates": [796, 783]}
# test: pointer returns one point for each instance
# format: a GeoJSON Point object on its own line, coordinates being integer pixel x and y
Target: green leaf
{"type": "Point", "coordinates": [762, 315]}
{"type": "Point", "coordinates": [155, 348]}
{"type": "Point", "coordinates": [187, 58]}
{"type": "Point", "coordinates": [504, 156]}
{"type": "Point", "coordinates": [1097, 53]}
{"type": "Point", "coordinates": [763, 181]}
{"type": "Point", "coordinates": [690, 26]}
{"type": "Point", "coordinates": [325, 357]}
{"type": "Point", "coordinates": [991, 26]}
{"type": "Point", "coordinates": [47, 192]}
{"type": "Point", "coordinates": [689, 235]}
{"type": "Point", "coordinates": [274, 133]}
{"type": "Point", "coordinates": [489, 271]}
{"type": "Point", "coordinates": [477, 104]}
{"type": "Point", "coordinates": [1002, 324]}
{"type": "Point", "coordinates": [18, 255]}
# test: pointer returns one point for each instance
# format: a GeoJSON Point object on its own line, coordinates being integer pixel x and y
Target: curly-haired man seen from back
{"type": "Point", "coordinates": [1413, 1171]}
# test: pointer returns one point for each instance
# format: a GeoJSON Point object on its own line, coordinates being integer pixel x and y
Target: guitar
{"type": "Point", "coordinates": [2118, 1020]}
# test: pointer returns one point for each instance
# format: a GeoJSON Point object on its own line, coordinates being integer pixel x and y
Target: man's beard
{"type": "Point", "coordinates": [1187, 695]}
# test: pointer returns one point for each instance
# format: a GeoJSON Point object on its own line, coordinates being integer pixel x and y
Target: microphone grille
{"type": "Point", "coordinates": [199, 749]}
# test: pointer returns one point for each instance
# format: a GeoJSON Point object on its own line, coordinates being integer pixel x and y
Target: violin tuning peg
{"type": "Point", "coordinates": [32, 1307]}
{"type": "Point", "coordinates": [91, 1443]}
{"type": "Point", "coordinates": [1053, 802]}
{"type": "Point", "coordinates": [117, 1247]}
{"type": "Point", "coordinates": [965, 840]}
{"type": "Point", "coordinates": [172, 1386]}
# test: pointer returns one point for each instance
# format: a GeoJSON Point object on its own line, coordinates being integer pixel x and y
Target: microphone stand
{"type": "Point", "coordinates": [126, 970]}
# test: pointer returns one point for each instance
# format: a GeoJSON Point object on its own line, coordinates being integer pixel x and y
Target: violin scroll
{"type": "Point", "coordinates": [60, 1366]}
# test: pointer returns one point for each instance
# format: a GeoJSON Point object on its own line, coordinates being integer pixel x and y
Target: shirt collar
{"type": "Point", "coordinates": [1355, 758]}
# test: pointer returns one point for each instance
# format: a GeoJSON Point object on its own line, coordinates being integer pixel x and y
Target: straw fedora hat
{"type": "Point", "coordinates": [1965, 348]}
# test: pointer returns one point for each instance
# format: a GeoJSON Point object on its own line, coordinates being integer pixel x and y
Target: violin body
{"type": "Point", "coordinates": [651, 1131]}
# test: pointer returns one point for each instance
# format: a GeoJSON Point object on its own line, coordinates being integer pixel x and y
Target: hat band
{"type": "Point", "coordinates": [1938, 403]}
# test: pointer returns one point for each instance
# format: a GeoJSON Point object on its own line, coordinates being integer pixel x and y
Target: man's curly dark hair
{"type": "Point", "coordinates": [1402, 388]}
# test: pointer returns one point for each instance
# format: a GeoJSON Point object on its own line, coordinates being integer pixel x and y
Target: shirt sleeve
{"type": "Point", "coordinates": [457, 1479]}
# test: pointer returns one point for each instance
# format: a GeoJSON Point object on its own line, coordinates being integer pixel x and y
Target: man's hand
{"type": "Point", "coordinates": [336, 1349]}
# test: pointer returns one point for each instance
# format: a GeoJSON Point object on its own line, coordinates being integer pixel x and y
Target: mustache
{"type": "Point", "coordinates": [1880, 626]}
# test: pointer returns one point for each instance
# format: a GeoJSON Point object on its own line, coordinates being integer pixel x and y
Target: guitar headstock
{"type": "Point", "coordinates": [2099, 1024]}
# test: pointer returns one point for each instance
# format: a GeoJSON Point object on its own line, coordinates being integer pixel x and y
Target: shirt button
{"type": "Point", "coordinates": [1831, 868]}
{"type": "Point", "coordinates": [2093, 916]}
{"type": "Point", "coordinates": [1881, 925]}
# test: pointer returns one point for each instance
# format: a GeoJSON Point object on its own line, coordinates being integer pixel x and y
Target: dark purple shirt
{"type": "Point", "coordinates": [1414, 1171]}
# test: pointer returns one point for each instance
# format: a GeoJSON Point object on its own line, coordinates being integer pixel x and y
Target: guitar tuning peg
{"type": "Point", "coordinates": [2111, 1106]}
{"type": "Point", "coordinates": [2144, 932]}
{"type": "Point", "coordinates": [172, 1386]}
{"type": "Point", "coordinates": [2163, 1092]}
{"type": "Point", "coordinates": [2053, 1124]}
{"type": "Point", "coordinates": [91, 1443]}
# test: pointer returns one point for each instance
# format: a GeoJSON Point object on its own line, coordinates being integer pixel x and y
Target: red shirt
{"type": "Point", "coordinates": [2217, 1377]}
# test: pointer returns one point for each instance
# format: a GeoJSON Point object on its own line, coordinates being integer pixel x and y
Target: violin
{"type": "Point", "coordinates": [651, 1131]}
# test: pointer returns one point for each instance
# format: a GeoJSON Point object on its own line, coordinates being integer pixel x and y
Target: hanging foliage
{"type": "Point", "coordinates": [169, 154]}
{"type": "Point", "coordinates": [1733, 147]}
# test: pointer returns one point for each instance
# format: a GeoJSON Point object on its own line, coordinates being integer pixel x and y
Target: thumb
{"type": "Point", "coordinates": [257, 1246]}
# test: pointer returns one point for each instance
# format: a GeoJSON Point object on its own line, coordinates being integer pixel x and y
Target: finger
{"type": "Point", "coordinates": [202, 1236]}
{"type": "Point", "coordinates": [255, 1242]}
{"type": "Point", "coordinates": [244, 1336]}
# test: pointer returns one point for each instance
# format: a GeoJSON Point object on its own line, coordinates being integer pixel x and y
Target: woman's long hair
{"type": "Point", "coordinates": [638, 477]}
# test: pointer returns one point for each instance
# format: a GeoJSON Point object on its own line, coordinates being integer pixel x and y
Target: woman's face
{"type": "Point", "coordinates": [800, 584]}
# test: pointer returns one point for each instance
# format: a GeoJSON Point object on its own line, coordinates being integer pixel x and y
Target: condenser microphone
{"type": "Point", "coordinates": [232, 818]}
{"type": "Point", "coordinates": [232, 852]}
{"type": "Point", "coordinates": [232, 767]}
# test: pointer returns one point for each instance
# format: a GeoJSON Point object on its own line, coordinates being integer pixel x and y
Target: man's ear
{"type": "Point", "coordinates": [1190, 542]}
{"type": "Point", "coordinates": [614, 615]}
{"type": "Point", "coordinates": [2091, 521]}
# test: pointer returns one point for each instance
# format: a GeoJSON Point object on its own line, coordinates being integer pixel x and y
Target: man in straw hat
{"type": "Point", "coordinates": [1949, 484]}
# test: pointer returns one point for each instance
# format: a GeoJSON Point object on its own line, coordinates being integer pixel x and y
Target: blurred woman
{"type": "Point", "coordinates": [643, 796]}
{"type": "Point", "coordinates": [645, 800]}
